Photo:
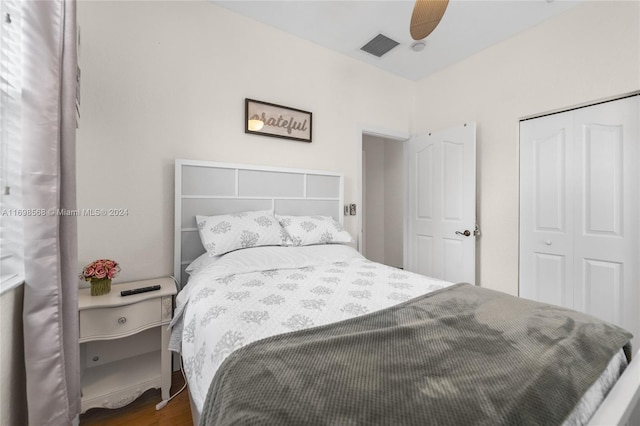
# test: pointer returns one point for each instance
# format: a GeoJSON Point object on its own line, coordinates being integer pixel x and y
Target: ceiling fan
{"type": "Point", "coordinates": [426, 16]}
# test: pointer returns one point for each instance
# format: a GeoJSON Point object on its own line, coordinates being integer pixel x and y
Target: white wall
{"type": "Point", "coordinates": [384, 203]}
{"type": "Point", "coordinates": [586, 54]}
{"type": "Point", "coordinates": [394, 202]}
{"type": "Point", "coordinates": [167, 80]}
{"type": "Point", "coordinates": [373, 209]}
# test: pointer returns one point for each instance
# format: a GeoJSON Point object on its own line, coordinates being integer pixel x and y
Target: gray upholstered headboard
{"type": "Point", "coordinates": [207, 188]}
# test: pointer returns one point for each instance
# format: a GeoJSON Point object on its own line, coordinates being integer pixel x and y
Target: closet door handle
{"type": "Point", "coordinates": [466, 233]}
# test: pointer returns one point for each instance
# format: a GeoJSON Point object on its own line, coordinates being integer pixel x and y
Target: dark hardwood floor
{"type": "Point", "coordinates": [142, 411]}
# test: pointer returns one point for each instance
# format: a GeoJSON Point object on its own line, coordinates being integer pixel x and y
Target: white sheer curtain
{"type": "Point", "coordinates": [11, 238]}
{"type": "Point", "coordinates": [50, 251]}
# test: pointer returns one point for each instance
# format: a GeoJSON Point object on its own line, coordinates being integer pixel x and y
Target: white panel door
{"type": "Point", "coordinates": [607, 236]}
{"type": "Point", "coordinates": [441, 215]}
{"type": "Point", "coordinates": [546, 210]}
{"type": "Point", "coordinates": [580, 211]}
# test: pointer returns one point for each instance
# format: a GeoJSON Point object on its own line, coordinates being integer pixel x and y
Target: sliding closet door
{"type": "Point", "coordinates": [546, 210]}
{"type": "Point", "coordinates": [606, 253]}
{"type": "Point", "coordinates": [579, 210]}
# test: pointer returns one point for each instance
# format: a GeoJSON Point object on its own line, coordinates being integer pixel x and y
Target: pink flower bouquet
{"type": "Point", "coordinates": [100, 269]}
{"type": "Point", "coordinates": [100, 273]}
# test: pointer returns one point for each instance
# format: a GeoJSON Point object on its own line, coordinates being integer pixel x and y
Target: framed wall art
{"type": "Point", "coordinates": [267, 119]}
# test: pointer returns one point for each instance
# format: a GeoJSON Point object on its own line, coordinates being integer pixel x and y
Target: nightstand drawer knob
{"type": "Point", "coordinates": [96, 358]}
{"type": "Point", "coordinates": [122, 320]}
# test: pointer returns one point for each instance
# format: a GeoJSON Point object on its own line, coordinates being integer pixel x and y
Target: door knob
{"type": "Point", "coordinates": [466, 233]}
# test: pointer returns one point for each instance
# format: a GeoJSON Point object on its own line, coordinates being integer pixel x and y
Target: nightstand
{"type": "Point", "coordinates": [124, 343]}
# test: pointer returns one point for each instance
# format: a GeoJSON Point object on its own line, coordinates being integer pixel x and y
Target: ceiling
{"type": "Point", "coordinates": [467, 27]}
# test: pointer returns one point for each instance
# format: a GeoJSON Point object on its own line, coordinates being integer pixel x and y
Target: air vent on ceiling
{"type": "Point", "coordinates": [379, 45]}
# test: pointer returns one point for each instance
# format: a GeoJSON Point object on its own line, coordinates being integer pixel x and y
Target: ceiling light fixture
{"type": "Point", "coordinates": [418, 46]}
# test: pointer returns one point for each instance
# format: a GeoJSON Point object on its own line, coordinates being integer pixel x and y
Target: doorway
{"type": "Point", "coordinates": [382, 238]}
{"type": "Point", "coordinates": [394, 210]}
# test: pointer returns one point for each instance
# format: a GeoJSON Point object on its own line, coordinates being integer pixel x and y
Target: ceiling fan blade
{"type": "Point", "coordinates": [426, 16]}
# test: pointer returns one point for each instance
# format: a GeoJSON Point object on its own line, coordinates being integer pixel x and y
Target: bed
{"type": "Point", "coordinates": [255, 294]}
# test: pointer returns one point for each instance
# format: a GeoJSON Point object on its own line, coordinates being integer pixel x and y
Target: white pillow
{"type": "Point", "coordinates": [308, 230]}
{"type": "Point", "coordinates": [201, 261]}
{"type": "Point", "coordinates": [225, 233]}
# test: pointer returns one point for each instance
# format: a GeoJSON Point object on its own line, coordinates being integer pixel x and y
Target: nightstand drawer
{"type": "Point", "coordinates": [118, 321]}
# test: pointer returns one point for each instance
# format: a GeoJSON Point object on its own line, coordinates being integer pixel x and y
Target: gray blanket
{"type": "Point", "coordinates": [458, 356]}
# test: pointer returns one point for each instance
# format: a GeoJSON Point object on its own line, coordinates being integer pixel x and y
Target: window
{"type": "Point", "coordinates": [11, 212]}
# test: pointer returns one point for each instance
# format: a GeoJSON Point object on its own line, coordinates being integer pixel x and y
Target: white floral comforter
{"type": "Point", "coordinates": [251, 294]}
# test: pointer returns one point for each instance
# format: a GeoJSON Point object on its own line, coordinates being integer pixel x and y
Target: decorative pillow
{"type": "Point", "coordinates": [307, 230]}
{"type": "Point", "coordinates": [225, 233]}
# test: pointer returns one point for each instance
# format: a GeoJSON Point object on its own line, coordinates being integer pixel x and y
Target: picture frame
{"type": "Point", "coordinates": [278, 121]}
